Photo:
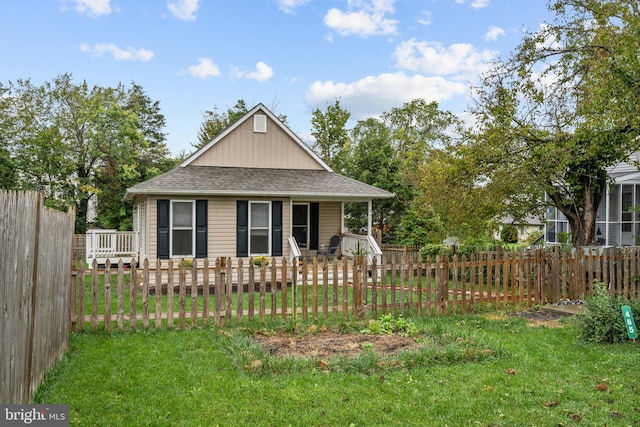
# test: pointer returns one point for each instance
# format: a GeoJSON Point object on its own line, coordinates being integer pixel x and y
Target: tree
{"type": "Point", "coordinates": [421, 226]}
{"type": "Point", "coordinates": [331, 135]}
{"type": "Point", "coordinates": [415, 129]}
{"type": "Point", "coordinates": [214, 123]}
{"type": "Point", "coordinates": [125, 166]}
{"type": "Point", "coordinates": [72, 142]}
{"type": "Point", "coordinates": [374, 161]}
{"type": "Point", "coordinates": [561, 109]}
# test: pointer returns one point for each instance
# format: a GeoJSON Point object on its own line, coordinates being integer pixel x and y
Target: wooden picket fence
{"type": "Point", "coordinates": [167, 293]}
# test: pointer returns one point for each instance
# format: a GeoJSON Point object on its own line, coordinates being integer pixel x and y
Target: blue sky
{"type": "Point", "coordinates": [291, 55]}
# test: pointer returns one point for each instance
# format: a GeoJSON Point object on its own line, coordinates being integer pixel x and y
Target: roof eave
{"type": "Point", "coordinates": [129, 195]}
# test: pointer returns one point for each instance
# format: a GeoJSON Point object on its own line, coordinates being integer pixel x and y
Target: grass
{"type": "Point", "coordinates": [473, 370]}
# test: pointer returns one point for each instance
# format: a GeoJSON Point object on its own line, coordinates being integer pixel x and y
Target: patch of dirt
{"type": "Point", "coordinates": [328, 344]}
{"type": "Point", "coordinates": [546, 318]}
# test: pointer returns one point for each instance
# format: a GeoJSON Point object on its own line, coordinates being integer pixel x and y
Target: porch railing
{"type": "Point", "coordinates": [294, 249]}
{"type": "Point", "coordinates": [367, 244]}
{"type": "Point", "coordinates": [112, 245]}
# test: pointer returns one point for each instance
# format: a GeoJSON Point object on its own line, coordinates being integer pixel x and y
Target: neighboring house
{"type": "Point", "coordinates": [617, 222]}
{"type": "Point", "coordinates": [245, 194]}
{"type": "Point", "coordinates": [525, 227]}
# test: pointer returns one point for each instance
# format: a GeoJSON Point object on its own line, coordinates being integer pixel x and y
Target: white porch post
{"type": "Point", "coordinates": [369, 214]}
{"type": "Point", "coordinates": [608, 210]}
{"type": "Point", "coordinates": [342, 218]}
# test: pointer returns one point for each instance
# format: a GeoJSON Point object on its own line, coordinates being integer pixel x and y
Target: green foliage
{"type": "Point", "coordinates": [532, 237]}
{"type": "Point", "coordinates": [74, 142]}
{"type": "Point", "coordinates": [602, 321]}
{"type": "Point", "coordinates": [467, 249]}
{"type": "Point", "coordinates": [331, 135]}
{"type": "Point", "coordinates": [373, 160]}
{"type": "Point", "coordinates": [8, 175]}
{"type": "Point", "coordinates": [420, 226]}
{"type": "Point", "coordinates": [387, 324]}
{"type": "Point", "coordinates": [559, 111]}
{"type": "Point", "coordinates": [260, 260]}
{"type": "Point", "coordinates": [214, 123]}
{"type": "Point", "coordinates": [509, 234]}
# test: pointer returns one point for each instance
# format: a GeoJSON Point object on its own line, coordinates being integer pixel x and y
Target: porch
{"type": "Point", "coordinates": [112, 245]}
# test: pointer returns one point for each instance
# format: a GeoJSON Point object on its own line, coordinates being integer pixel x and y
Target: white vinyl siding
{"type": "Point", "coordinates": [248, 149]}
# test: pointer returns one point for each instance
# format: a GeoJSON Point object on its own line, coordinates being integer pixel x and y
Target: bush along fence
{"type": "Point", "coordinates": [182, 293]}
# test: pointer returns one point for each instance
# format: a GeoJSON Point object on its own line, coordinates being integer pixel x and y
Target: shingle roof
{"type": "Point", "coordinates": [230, 181]}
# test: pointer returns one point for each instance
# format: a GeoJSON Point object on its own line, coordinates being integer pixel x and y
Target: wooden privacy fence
{"type": "Point", "coordinates": [163, 292]}
{"type": "Point", "coordinates": [35, 263]}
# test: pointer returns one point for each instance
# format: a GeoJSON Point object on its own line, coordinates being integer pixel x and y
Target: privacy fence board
{"type": "Point", "coordinates": [35, 264]}
{"type": "Point", "coordinates": [168, 292]}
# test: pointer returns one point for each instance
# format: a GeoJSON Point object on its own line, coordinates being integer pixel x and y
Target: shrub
{"type": "Point", "coordinates": [257, 261]}
{"type": "Point", "coordinates": [509, 234]}
{"type": "Point", "coordinates": [602, 320]}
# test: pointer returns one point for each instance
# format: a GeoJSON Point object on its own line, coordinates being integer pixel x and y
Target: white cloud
{"type": "Point", "coordinates": [372, 95]}
{"type": "Point", "coordinates": [493, 33]}
{"type": "Point", "coordinates": [290, 6]}
{"type": "Point", "coordinates": [475, 4]}
{"type": "Point", "coordinates": [205, 69]}
{"type": "Point", "coordinates": [364, 18]}
{"type": "Point", "coordinates": [425, 18]}
{"type": "Point", "coordinates": [119, 54]}
{"type": "Point", "coordinates": [184, 10]}
{"type": "Point", "coordinates": [93, 8]}
{"type": "Point", "coordinates": [262, 73]}
{"type": "Point", "coordinates": [434, 58]}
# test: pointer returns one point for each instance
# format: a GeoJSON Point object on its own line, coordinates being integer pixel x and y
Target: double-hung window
{"type": "Point", "coordinates": [259, 228]}
{"type": "Point", "coordinates": [182, 228]}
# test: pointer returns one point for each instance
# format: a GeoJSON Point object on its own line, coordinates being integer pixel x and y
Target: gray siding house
{"type": "Point", "coordinates": [247, 193]}
{"type": "Point", "coordinates": [617, 221]}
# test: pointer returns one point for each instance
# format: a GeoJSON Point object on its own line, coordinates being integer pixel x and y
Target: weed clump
{"type": "Point", "coordinates": [602, 320]}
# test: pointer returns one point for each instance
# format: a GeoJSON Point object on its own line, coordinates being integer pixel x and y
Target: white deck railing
{"type": "Point", "coordinates": [294, 249]}
{"type": "Point", "coordinates": [367, 244]}
{"type": "Point", "coordinates": [112, 245]}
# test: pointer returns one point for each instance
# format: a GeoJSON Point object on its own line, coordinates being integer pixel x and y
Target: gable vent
{"type": "Point", "coordinates": [260, 123]}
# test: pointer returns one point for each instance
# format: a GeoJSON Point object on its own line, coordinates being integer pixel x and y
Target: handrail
{"type": "Point", "coordinates": [294, 249]}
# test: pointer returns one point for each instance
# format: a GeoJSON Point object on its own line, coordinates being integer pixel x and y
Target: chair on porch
{"type": "Point", "coordinates": [329, 252]}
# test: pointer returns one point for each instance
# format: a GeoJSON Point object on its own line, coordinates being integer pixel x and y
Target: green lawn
{"type": "Point", "coordinates": [471, 370]}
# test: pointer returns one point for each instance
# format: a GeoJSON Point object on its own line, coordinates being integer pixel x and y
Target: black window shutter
{"type": "Point", "coordinates": [276, 228]}
{"type": "Point", "coordinates": [163, 228]}
{"type": "Point", "coordinates": [242, 228]}
{"type": "Point", "coordinates": [314, 218]}
{"type": "Point", "coordinates": [201, 228]}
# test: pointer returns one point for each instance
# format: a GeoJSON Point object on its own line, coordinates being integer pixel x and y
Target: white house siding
{"type": "Point", "coordinates": [245, 148]}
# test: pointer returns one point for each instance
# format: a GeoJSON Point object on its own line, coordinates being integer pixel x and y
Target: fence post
{"type": "Point", "coordinates": [159, 291]}
{"type": "Point", "coordinates": [240, 290]}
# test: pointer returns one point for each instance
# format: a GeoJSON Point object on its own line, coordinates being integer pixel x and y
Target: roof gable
{"type": "Point", "coordinates": [240, 145]}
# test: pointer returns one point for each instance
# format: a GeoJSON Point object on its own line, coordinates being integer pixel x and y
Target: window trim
{"type": "Point", "coordinates": [269, 227]}
{"type": "Point", "coordinates": [260, 123]}
{"type": "Point", "coordinates": [172, 228]}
